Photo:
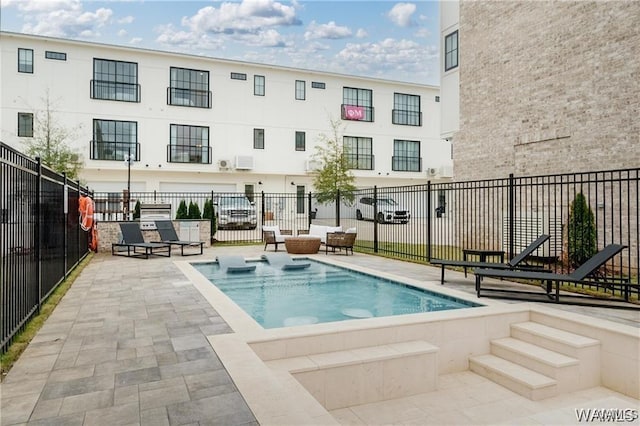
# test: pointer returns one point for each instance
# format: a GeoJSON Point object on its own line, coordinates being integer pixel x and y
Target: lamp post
{"type": "Point", "coordinates": [128, 159]}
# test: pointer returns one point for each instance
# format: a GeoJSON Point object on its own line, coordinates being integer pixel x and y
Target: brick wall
{"type": "Point", "coordinates": [108, 233]}
{"type": "Point", "coordinates": [548, 87]}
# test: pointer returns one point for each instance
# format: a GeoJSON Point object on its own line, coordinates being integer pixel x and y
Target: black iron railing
{"type": "Point", "coordinates": [40, 237]}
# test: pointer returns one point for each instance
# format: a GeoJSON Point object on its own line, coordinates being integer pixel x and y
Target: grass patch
{"type": "Point", "coordinates": [22, 339]}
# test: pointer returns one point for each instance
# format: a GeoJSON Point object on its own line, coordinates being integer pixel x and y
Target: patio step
{"type": "Point", "coordinates": [357, 376]}
{"type": "Point", "coordinates": [515, 377]}
{"type": "Point", "coordinates": [553, 339]}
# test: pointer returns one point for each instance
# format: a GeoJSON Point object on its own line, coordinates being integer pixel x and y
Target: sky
{"type": "Point", "coordinates": [381, 39]}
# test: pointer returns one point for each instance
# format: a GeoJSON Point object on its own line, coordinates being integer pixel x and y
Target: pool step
{"type": "Point", "coordinates": [539, 361]}
{"type": "Point", "coordinates": [362, 375]}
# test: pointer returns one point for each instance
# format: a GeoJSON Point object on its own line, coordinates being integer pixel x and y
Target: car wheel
{"type": "Point", "coordinates": [380, 217]}
{"type": "Point", "coordinates": [358, 215]}
{"type": "Point", "coordinates": [252, 227]}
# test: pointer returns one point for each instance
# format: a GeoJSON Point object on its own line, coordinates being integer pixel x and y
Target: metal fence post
{"type": "Point", "coordinates": [65, 214]}
{"type": "Point", "coordinates": [38, 232]}
{"type": "Point", "coordinates": [338, 208]}
{"type": "Point", "coordinates": [310, 214]}
{"type": "Point", "coordinates": [212, 220]}
{"type": "Point", "coordinates": [375, 218]}
{"type": "Point", "coordinates": [512, 213]}
{"type": "Point", "coordinates": [429, 221]}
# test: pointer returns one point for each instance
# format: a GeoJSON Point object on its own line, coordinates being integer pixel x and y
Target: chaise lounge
{"type": "Point", "coordinates": [518, 262]}
{"type": "Point", "coordinates": [234, 264]}
{"type": "Point", "coordinates": [284, 261]}
{"type": "Point", "coordinates": [133, 242]}
{"type": "Point", "coordinates": [586, 272]}
{"type": "Point", "coordinates": [169, 236]}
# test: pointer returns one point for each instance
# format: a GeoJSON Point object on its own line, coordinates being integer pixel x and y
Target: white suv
{"type": "Point", "coordinates": [235, 211]}
{"type": "Point", "coordinates": [389, 211]}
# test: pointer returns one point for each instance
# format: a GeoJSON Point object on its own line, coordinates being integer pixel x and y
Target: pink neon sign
{"type": "Point", "coordinates": [352, 112]}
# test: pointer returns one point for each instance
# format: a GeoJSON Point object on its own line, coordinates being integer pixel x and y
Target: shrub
{"type": "Point", "coordinates": [582, 242]}
{"type": "Point", "coordinates": [194, 211]}
{"type": "Point", "coordinates": [182, 212]}
{"type": "Point", "coordinates": [207, 210]}
{"type": "Point", "coordinates": [136, 210]}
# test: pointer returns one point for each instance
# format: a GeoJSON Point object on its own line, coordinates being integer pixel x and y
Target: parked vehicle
{"type": "Point", "coordinates": [389, 211]}
{"type": "Point", "coordinates": [235, 211]}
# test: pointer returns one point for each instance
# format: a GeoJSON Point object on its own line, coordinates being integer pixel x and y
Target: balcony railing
{"type": "Point", "coordinates": [113, 91]}
{"type": "Point", "coordinates": [406, 163]}
{"type": "Point", "coordinates": [406, 117]}
{"type": "Point", "coordinates": [113, 151]}
{"type": "Point", "coordinates": [188, 97]}
{"type": "Point", "coordinates": [356, 113]}
{"type": "Point", "coordinates": [189, 154]}
{"type": "Point", "coordinates": [361, 161]}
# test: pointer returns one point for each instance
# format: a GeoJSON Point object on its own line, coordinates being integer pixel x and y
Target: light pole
{"type": "Point", "coordinates": [128, 159]}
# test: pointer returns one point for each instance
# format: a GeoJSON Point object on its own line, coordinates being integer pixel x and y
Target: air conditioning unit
{"type": "Point", "coordinates": [431, 171]}
{"type": "Point", "coordinates": [312, 165]}
{"type": "Point", "coordinates": [224, 164]}
{"type": "Point", "coordinates": [244, 162]}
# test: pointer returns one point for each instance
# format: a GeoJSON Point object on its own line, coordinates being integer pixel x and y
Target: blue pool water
{"type": "Point", "coordinates": [321, 293]}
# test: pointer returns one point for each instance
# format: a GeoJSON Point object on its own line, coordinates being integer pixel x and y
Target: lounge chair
{"type": "Point", "coordinates": [234, 264]}
{"type": "Point", "coordinates": [274, 235]}
{"type": "Point", "coordinates": [580, 275]}
{"type": "Point", "coordinates": [518, 262]}
{"type": "Point", "coordinates": [284, 261]}
{"type": "Point", "coordinates": [133, 242]}
{"type": "Point", "coordinates": [169, 236]}
{"type": "Point", "coordinates": [340, 240]}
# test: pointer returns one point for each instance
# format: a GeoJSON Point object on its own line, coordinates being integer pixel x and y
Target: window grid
{"type": "Point", "coordinates": [113, 140]}
{"type": "Point", "coordinates": [58, 56]}
{"type": "Point", "coordinates": [318, 85]}
{"type": "Point", "coordinates": [115, 80]}
{"type": "Point", "coordinates": [258, 85]}
{"type": "Point", "coordinates": [25, 60]}
{"type": "Point", "coordinates": [189, 144]}
{"type": "Point", "coordinates": [238, 76]}
{"type": "Point", "coordinates": [300, 141]}
{"type": "Point", "coordinates": [451, 51]}
{"type": "Point", "coordinates": [359, 152]}
{"type": "Point", "coordinates": [406, 156]}
{"type": "Point", "coordinates": [258, 138]}
{"type": "Point", "coordinates": [300, 90]}
{"type": "Point", "coordinates": [189, 87]}
{"type": "Point", "coordinates": [25, 124]}
{"type": "Point", "coordinates": [406, 110]}
{"type": "Point", "coordinates": [352, 96]}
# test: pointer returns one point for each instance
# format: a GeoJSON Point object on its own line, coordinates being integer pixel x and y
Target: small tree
{"type": "Point", "coordinates": [334, 175]}
{"type": "Point", "coordinates": [581, 231]}
{"type": "Point", "coordinates": [49, 142]}
{"type": "Point", "coordinates": [207, 210]}
{"type": "Point", "coordinates": [182, 212]}
{"type": "Point", "coordinates": [194, 211]}
{"type": "Point", "coordinates": [136, 210]}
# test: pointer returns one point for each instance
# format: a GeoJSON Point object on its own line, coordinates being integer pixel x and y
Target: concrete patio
{"type": "Point", "coordinates": [128, 345]}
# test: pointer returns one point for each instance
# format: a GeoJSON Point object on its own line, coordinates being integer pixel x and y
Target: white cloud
{"type": "Point", "coordinates": [122, 33]}
{"type": "Point", "coordinates": [362, 33]}
{"type": "Point", "coordinates": [126, 20]}
{"type": "Point", "coordinates": [186, 40]}
{"type": "Point", "coordinates": [423, 33]}
{"type": "Point", "coordinates": [327, 31]}
{"type": "Point", "coordinates": [42, 5]}
{"type": "Point", "coordinates": [400, 14]}
{"type": "Point", "coordinates": [135, 40]}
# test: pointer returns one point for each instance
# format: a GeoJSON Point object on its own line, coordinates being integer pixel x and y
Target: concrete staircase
{"type": "Point", "coordinates": [538, 361]}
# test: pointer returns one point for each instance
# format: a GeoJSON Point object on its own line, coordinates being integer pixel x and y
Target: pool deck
{"type": "Point", "coordinates": [130, 344]}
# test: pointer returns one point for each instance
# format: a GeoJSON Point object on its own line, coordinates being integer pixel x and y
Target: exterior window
{"type": "Point", "coordinates": [189, 88]}
{"type": "Point", "coordinates": [317, 85]}
{"type": "Point", "coordinates": [451, 51]}
{"type": "Point", "coordinates": [300, 90]}
{"type": "Point", "coordinates": [300, 199]}
{"type": "Point", "coordinates": [406, 156]}
{"type": "Point", "coordinates": [112, 140]}
{"type": "Point", "coordinates": [189, 144]}
{"type": "Point", "coordinates": [115, 81]}
{"type": "Point", "coordinates": [357, 104]}
{"type": "Point", "coordinates": [258, 138]}
{"type": "Point", "coordinates": [258, 85]}
{"type": "Point", "coordinates": [359, 152]}
{"type": "Point", "coordinates": [238, 76]}
{"type": "Point", "coordinates": [58, 56]}
{"type": "Point", "coordinates": [25, 60]}
{"type": "Point", "coordinates": [406, 110]}
{"type": "Point", "coordinates": [437, 98]}
{"type": "Point", "coordinates": [250, 192]}
{"type": "Point", "coordinates": [300, 141]}
{"type": "Point", "coordinates": [25, 124]}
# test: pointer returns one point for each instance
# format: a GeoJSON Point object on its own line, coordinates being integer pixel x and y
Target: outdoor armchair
{"type": "Point", "coordinates": [340, 240]}
{"type": "Point", "coordinates": [274, 235]}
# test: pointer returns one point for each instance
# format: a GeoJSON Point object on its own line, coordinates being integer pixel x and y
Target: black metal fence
{"type": "Point", "coordinates": [439, 220]}
{"type": "Point", "coordinates": [40, 237]}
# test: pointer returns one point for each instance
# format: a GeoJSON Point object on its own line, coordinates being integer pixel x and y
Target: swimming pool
{"type": "Point", "coordinates": [321, 293]}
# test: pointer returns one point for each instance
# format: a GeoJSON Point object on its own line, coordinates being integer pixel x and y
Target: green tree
{"type": "Point", "coordinates": [49, 142]}
{"type": "Point", "coordinates": [194, 211]}
{"type": "Point", "coordinates": [207, 210]}
{"type": "Point", "coordinates": [182, 212]}
{"type": "Point", "coordinates": [334, 175]}
{"type": "Point", "coordinates": [136, 210]}
{"type": "Point", "coordinates": [582, 240]}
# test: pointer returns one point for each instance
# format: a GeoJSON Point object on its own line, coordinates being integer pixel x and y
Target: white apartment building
{"type": "Point", "coordinates": [195, 123]}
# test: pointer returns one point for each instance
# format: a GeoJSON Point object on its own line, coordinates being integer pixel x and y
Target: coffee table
{"type": "Point", "coordinates": [302, 244]}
